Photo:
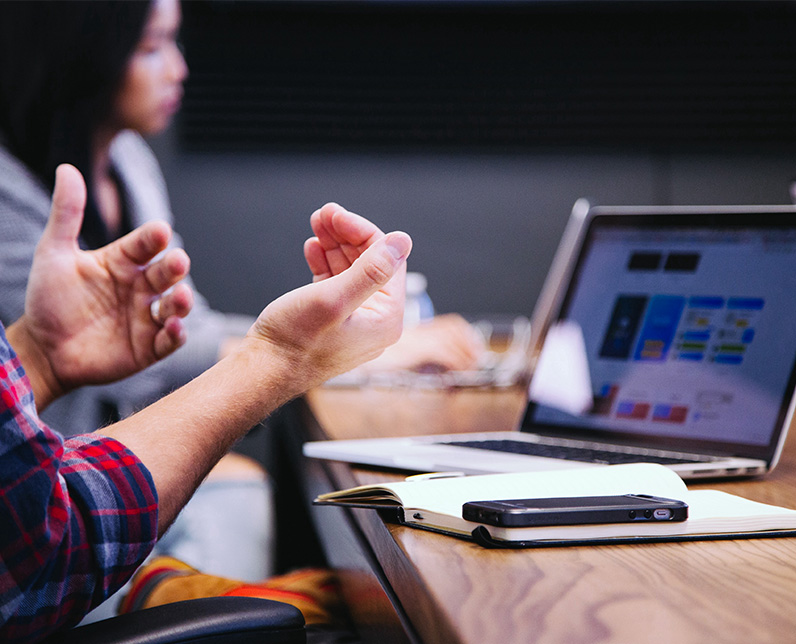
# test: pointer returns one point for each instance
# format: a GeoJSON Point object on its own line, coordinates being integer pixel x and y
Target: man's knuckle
{"type": "Point", "coordinates": [378, 271]}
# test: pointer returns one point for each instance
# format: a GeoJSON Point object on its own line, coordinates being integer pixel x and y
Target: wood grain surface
{"type": "Point", "coordinates": [454, 591]}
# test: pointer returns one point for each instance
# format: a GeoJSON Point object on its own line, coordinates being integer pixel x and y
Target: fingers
{"type": "Point", "coordinates": [169, 309]}
{"type": "Point", "coordinates": [334, 226]}
{"type": "Point", "coordinates": [168, 270]}
{"type": "Point", "coordinates": [371, 272]}
{"type": "Point", "coordinates": [144, 243]}
{"type": "Point", "coordinates": [177, 303]}
{"type": "Point", "coordinates": [170, 338]}
{"type": "Point", "coordinates": [342, 236]}
{"type": "Point", "coordinates": [168, 313]}
{"type": "Point", "coordinates": [316, 259]}
{"type": "Point", "coordinates": [66, 212]}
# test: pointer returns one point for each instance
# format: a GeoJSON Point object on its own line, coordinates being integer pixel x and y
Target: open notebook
{"type": "Point", "coordinates": [682, 320]}
{"type": "Point", "coordinates": [436, 504]}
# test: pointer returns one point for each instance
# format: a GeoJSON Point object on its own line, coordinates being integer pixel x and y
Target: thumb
{"type": "Point", "coordinates": [371, 272]}
{"type": "Point", "coordinates": [66, 212]}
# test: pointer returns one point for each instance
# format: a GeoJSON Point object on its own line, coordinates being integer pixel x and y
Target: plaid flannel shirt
{"type": "Point", "coordinates": [77, 517]}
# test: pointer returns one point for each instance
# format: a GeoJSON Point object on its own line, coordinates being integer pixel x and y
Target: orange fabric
{"type": "Point", "coordinates": [313, 591]}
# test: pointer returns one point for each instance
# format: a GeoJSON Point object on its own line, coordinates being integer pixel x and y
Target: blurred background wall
{"type": "Point", "coordinates": [472, 125]}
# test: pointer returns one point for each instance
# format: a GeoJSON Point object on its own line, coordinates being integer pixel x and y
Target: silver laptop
{"type": "Point", "coordinates": [688, 323]}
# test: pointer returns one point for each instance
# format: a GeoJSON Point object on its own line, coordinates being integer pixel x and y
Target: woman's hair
{"type": "Point", "coordinates": [61, 64]}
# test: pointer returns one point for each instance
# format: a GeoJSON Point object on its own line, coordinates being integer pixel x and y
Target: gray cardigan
{"type": "Point", "coordinates": [24, 208]}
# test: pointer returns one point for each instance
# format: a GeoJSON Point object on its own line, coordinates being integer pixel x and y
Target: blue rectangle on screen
{"type": "Point", "coordinates": [624, 408]}
{"type": "Point", "coordinates": [693, 357]}
{"type": "Point", "coordinates": [660, 325]}
{"type": "Point", "coordinates": [701, 302]}
{"type": "Point", "coordinates": [747, 303]}
{"type": "Point", "coordinates": [696, 336]}
{"type": "Point", "coordinates": [727, 359]}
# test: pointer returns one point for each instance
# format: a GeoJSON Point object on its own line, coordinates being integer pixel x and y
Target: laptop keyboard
{"type": "Point", "coordinates": [586, 455]}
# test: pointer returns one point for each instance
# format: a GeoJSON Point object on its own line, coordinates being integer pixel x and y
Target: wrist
{"type": "Point", "coordinates": [274, 374]}
{"type": "Point", "coordinates": [44, 383]}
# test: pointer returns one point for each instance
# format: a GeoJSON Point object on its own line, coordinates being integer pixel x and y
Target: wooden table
{"type": "Point", "coordinates": [444, 590]}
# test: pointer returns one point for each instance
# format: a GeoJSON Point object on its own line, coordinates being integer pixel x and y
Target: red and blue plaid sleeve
{"type": "Point", "coordinates": [77, 517]}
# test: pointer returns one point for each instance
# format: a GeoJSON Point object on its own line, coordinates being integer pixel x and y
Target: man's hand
{"type": "Point", "coordinates": [447, 342]}
{"type": "Point", "coordinates": [348, 315]}
{"type": "Point", "coordinates": [354, 308]}
{"type": "Point", "coordinates": [88, 314]}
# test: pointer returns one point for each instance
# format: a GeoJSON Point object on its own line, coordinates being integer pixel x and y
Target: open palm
{"type": "Point", "coordinates": [89, 311]}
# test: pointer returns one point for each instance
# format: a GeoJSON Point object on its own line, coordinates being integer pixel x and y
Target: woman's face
{"type": "Point", "coordinates": [151, 91]}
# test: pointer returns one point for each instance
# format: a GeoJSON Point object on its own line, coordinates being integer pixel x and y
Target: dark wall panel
{"type": "Point", "coordinates": [474, 127]}
{"type": "Point", "coordinates": [492, 74]}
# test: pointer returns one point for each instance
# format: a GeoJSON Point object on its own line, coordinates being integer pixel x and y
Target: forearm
{"type": "Point", "coordinates": [180, 437]}
{"type": "Point", "coordinates": [206, 334]}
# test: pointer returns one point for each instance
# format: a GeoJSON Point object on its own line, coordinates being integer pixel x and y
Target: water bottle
{"type": "Point", "coordinates": [418, 305]}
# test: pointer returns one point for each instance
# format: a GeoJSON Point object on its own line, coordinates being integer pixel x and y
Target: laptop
{"type": "Point", "coordinates": [686, 317]}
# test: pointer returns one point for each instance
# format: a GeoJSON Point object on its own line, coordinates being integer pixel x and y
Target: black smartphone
{"type": "Point", "coordinates": [516, 513]}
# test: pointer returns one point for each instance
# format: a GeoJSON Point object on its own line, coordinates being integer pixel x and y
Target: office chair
{"type": "Point", "coordinates": [212, 620]}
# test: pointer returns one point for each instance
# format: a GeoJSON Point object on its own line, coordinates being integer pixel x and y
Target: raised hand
{"type": "Point", "coordinates": [354, 308]}
{"type": "Point", "coordinates": [88, 314]}
{"type": "Point", "coordinates": [447, 342]}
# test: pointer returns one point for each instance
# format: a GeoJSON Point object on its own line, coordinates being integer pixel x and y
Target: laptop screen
{"type": "Point", "coordinates": [688, 322]}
